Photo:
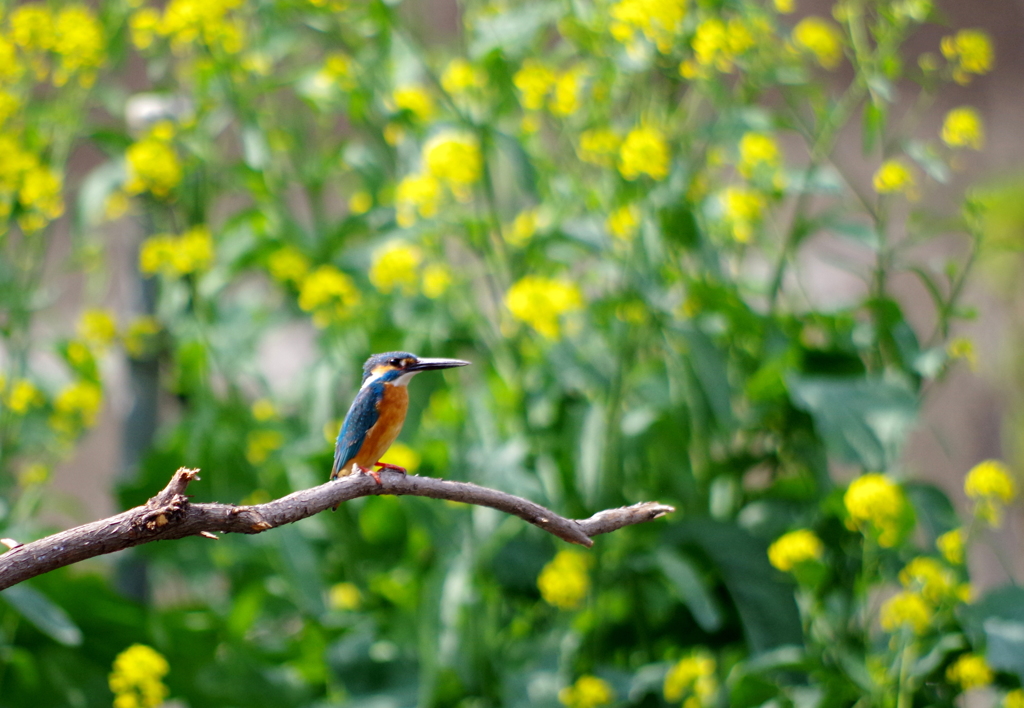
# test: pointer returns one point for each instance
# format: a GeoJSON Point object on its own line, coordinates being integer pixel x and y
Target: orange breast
{"type": "Point", "coordinates": [392, 409]}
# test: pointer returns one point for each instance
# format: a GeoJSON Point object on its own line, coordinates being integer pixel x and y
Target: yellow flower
{"type": "Point", "coordinates": [174, 256]}
{"type": "Point", "coordinates": [260, 443]}
{"type": "Point", "coordinates": [990, 485]}
{"type": "Point", "coordinates": [951, 546]}
{"type": "Point", "coordinates": [140, 337]}
{"type": "Point", "coordinates": [1014, 699]}
{"type": "Point", "coordinates": [659, 21]}
{"type": "Point", "coordinates": [144, 24]}
{"type": "Point", "coordinates": [79, 355]}
{"type": "Point", "coordinates": [153, 167]}
{"type": "Point", "coordinates": [9, 103]}
{"type": "Point", "coordinates": [396, 265]}
{"type": "Point", "coordinates": [820, 38]}
{"type": "Point", "coordinates": [79, 400]}
{"type": "Point", "coordinates": [565, 581]}
{"type": "Point", "coordinates": [31, 26]}
{"type": "Point", "coordinates": [599, 146]}
{"type": "Point", "coordinates": [963, 348]}
{"type": "Point", "coordinates": [288, 265]}
{"type": "Point", "coordinates": [23, 395]}
{"type": "Point", "coordinates": [436, 280]}
{"type": "Point", "coordinates": [893, 176]}
{"type": "Point", "coordinates": [329, 294]}
{"type": "Point", "coordinates": [454, 159]}
{"type": "Point", "coordinates": [404, 456]}
{"type": "Point", "coordinates": [79, 41]}
{"type": "Point", "coordinates": [534, 81]}
{"type": "Point", "coordinates": [360, 202]}
{"type": "Point", "coordinates": [970, 671]}
{"type": "Point", "coordinates": [187, 22]}
{"type": "Point", "coordinates": [339, 69]}
{"type": "Point", "coordinates": [906, 609]}
{"type": "Point", "coordinates": [876, 503]}
{"type": "Point", "coordinates": [587, 692]}
{"type": "Point", "coordinates": [416, 195]}
{"type": "Point", "coordinates": [36, 473]}
{"type": "Point", "coordinates": [524, 226]}
{"type": "Point", "coordinates": [542, 302]}
{"type": "Point", "coordinates": [929, 577]}
{"type": "Point", "coordinates": [415, 100]}
{"type": "Point", "coordinates": [784, 6]}
{"type": "Point", "coordinates": [742, 208]}
{"type": "Point", "coordinates": [963, 128]}
{"type": "Point", "coordinates": [692, 678]}
{"type": "Point", "coordinates": [717, 45]}
{"type": "Point", "coordinates": [644, 152]}
{"type": "Point", "coordinates": [263, 410]}
{"type": "Point", "coordinates": [97, 327]}
{"type": "Point", "coordinates": [758, 152]}
{"type": "Point", "coordinates": [566, 98]}
{"type": "Point", "coordinates": [794, 548]}
{"type": "Point", "coordinates": [624, 222]}
{"type": "Point", "coordinates": [460, 76]}
{"type": "Point", "coordinates": [137, 678]}
{"type": "Point", "coordinates": [41, 190]}
{"type": "Point", "coordinates": [971, 53]}
{"type": "Point", "coordinates": [344, 596]}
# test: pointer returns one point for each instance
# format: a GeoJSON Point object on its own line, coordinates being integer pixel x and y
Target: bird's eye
{"type": "Point", "coordinates": [397, 363]}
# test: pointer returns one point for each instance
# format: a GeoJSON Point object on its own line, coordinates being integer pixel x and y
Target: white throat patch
{"type": "Point", "coordinates": [402, 380]}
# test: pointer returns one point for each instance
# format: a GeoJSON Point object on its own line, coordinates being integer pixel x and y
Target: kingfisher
{"type": "Point", "coordinates": [378, 411]}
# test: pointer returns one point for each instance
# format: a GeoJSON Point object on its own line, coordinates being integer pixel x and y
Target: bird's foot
{"type": "Point", "coordinates": [373, 473]}
{"type": "Point", "coordinates": [389, 466]}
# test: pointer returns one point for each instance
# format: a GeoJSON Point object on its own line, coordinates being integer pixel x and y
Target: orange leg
{"type": "Point", "coordinates": [389, 466]}
{"type": "Point", "coordinates": [372, 472]}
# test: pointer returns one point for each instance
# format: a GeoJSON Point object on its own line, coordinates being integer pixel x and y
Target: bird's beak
{"type": "Point", "coordinates": [428, 364]}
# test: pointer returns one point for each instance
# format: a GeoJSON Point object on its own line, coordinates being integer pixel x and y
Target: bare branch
{"type": "Point", "coordinates": [169, 515]}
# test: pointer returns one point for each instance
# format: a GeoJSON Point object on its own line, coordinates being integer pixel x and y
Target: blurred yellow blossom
{"type": "Point", "coordinates": [454, 158]}
{"type": "Point", "coordinates": [692, 680]}
{"type": "Point", "coordinates": [188, 22]}
{"type": "Point", "coordinates": [437, 278]}
{"type": "Point", "coordinates": [416, 195]}
{"type": "Point", "coordinates": [260, 443]}
{"type": "Point", "coordinates": [970, 52]}
{"type": "Point", "coordinates": [414, 99]}
{"type": "Point", "coordinates": [31, 26]}
{"type": "Point", "coordinates": [80, 355]}
{"type": "Point", "coordinates": [141, 336]}
{"type": "Point", "coordinates": [395, 265]}
{"type": "Point", "coordinates": [970, 671]}
{"type": "Point", "coordinates": [523, 227]}
{"type": "Point", "coordinates": [875, 503]}
{"type": "Point", "coordinates": [329, 294]}
{"type": "Point", "coordinates": [263, 410]}
{"type": "Point", "coordinates": [153, 166]}
{"type": "Point", "coordinates": [460, 76]}
{"type": "Point", "coordinates": [360, 202]}
{"type": "Point", "coordinates": [599, 146]}
{"type": "Point", "coordinates": [1014, 699]}
{"type": "Point", "coordinates": [587, 692]}
{"type": "Point", "coordinates": [173, 256]}
{"type": "Point", "coordinates": [339, 69]}
{"type": "Point", "coordinates": [344, 596]}
{"type": "Point", "coordinates": [624, 222]}
{"type": "Point", "coordinates": [991, 486]}
{"type": "Point", "coordinates": [644, 152]}
{"type": "Point", "coordinates": [137, 678]}
{"type": "Point", "coordinates": [758, 152]}
{"type": "Point", "coordinates": [893, 176]}
{"type": "Point", "coordinates": [288, 265]}
{"type": "Point", "coordinates": [97, 327]}
{"type": "Point", "coordinates": [144, 24]}
{"type": "Point", "coordinates": [717, 45]}
{"type": "Point", "coordinates": [41, 191]}
{"type": "Point", "coordinates": [963, 128]}
{"type": "Point", "coordinates": [565, 581]}
{"type": "Point", "coordinates": [906, 609]}
{"type": "Point", "coordinates": [116, 205]}
{"type": "Point", "coordinates": [404, 456]}
{"type": "Point", "coordinates": [80, 400]}
{"type": "Point", "coordinates": [33, 474]}
{"type": "Point", "coordinates": [742, 209]}
{"type": "Point", "coordinates": [784, 6]}
{"type": "Point", "coordinates": [951, 546]}
{"type": "Point", "coordinates": [22, 395]}
{"type": "Point", "coordinates": [534, 81]}
{"type": "Point", "coordinates": [541, 303]}
{"type": "Point", "coordinates": [794, 548]}
{"type": "Point", "coordinates": [565, 99]}
{"type": "Point", "coordinates": [659, 21]}
{"type": "Point", "coordinates": [79, 42]}
{"type": "Point", "coordinates": [929, 577]}
{"type": "Point", "coordinates": [820, 38]}
{"type": "Point", "coordinates": [963, 348]}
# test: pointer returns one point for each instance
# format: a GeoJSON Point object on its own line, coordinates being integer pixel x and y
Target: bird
{"type": "Point", "coordinates": [378, 411]}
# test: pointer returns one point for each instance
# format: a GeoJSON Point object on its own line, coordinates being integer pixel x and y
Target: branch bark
{"type": "Point", "coordinates": [170, 515]}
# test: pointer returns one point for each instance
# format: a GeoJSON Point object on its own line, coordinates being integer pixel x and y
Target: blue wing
{"type": "Point", "coordinates": [361, 417]}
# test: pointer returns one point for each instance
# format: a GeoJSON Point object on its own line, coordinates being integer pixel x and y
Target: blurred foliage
{"type": "Point", "coordinates": [605, 206]}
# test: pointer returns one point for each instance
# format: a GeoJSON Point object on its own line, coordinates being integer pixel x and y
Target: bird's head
{"type": "Point", "coordinates": [397, 368]}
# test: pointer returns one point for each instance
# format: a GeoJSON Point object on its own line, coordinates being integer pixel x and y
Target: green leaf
{"type": "Point", "coordinates": [766, 605]}
{"type": "Point", "coordinates": [996, 622]}
{"type": "Point", "coordinates": [690, 588]}
{"type": "Point", "coordinates": [862, 420]}
{"type": "Point", "coordinates": [48, 618]}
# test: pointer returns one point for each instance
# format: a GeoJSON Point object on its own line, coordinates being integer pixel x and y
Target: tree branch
{"type": "Point", "coordinates": [170, 515]}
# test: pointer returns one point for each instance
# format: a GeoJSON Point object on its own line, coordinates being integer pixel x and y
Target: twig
{"type": "Point", "coordinates": [170, 515]}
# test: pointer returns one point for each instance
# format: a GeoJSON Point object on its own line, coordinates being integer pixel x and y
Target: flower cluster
{"type": "Point", "coordinates": [877, 507]}
{"type": "Point", "coordinates": [794, 548]}
{"type": "Point", "coordinates": [153, 164]}
{"type": "Point", "coordinates": [565, 581]}
{"type": "Point", "coordinates": [692, 680]}
{"type": "Point", "coordinates": [189, 23]}
{"type": "Point", "coordinates": [587, 692]}
{"type": "Point", "coordinates": [657, 21]}
{"type": "Point", "coordinates": [137, 678]}
{"type": "Point", "coordinates": [991, 486]}
{"type": "Point", "coordinates": [174, 256]}
{"type": "Point", "coordinates": [542, 303]}
{"type": "Point", "coordinates": [969, 52]}
{"type": "Point", "coordinates": [61, 45]}
{"type": "Point", "coordinates": [397, 265]}
{"type": "Point", "coordinates": [330, 295]}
